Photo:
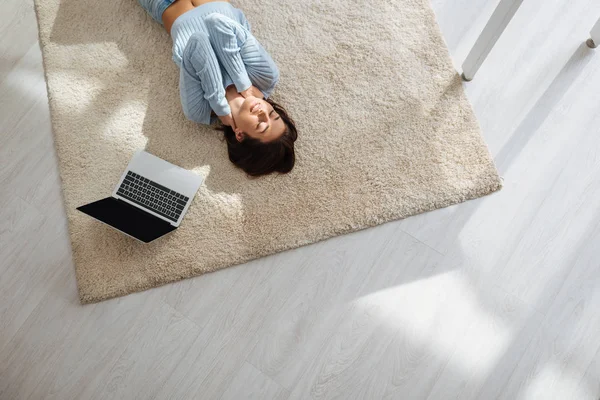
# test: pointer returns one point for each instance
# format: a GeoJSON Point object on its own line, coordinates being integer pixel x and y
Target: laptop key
{"type": "Point", "coordinates": [153, 196]}
{"type": "Point", "coordinates": [154, 210]}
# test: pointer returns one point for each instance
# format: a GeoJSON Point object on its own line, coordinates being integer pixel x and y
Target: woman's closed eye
{"type": "Point", "coordinates": [266, 126]}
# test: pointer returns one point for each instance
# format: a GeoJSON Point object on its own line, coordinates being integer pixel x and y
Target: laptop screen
{"type": "Point", "coordinates": [128, 219]}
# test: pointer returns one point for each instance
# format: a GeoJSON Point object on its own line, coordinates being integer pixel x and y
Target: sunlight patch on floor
{"type": "Point", "coordinates": [449, 319]}
{"type": "Point", "coordinates": [553, 382]}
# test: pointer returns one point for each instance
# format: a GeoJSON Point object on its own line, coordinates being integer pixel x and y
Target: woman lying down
{"type": "Point", "coordinates": [226, 73]}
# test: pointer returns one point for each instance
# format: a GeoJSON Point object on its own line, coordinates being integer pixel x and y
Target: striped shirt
{"type": "Point", "coordinates": [214, 48]}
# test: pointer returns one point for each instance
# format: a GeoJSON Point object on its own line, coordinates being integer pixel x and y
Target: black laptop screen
{"type": "Point", "coordinates": [127, 218]}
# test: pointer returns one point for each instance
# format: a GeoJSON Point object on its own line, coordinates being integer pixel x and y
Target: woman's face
{"type": "Point", "coordinates": [257, 119]}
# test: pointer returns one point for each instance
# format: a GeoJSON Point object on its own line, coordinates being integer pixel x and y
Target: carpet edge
{"type": "Point", "coordinates": [492, 186]}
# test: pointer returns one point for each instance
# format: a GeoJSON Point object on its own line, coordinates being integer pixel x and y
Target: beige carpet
{"type": "Point", "coordinates": [385, 132]}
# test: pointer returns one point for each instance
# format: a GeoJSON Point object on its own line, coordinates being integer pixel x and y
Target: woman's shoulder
{"type": "Point", "coordinates": [243, 20]}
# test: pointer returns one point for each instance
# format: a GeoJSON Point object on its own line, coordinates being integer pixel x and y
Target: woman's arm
{"type": "Point", "coordinates": [200, 80]}
{"type": "Point", "coordinates": [242, 56]}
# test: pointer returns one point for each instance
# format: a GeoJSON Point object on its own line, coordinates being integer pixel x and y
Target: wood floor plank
{"type": "Point", "coordinates": [61, 345]}
{"type": "Point", "coordinates": [23, 97]}
{"type": "Point", "coordinates": [564, 350]}
{"type": "Point", "coordinates": [589, 384]}
{"type": "Point", "coordinates": [251, 384]}
{"type": "Point", "coordinates": [160, 339]}
{"type": "Point", "coordinates": [33, 249]}
{"type": "Point", "coordinates": [81, 350]}
{"type": "Point", "coordinates": [230, 308]}
{"type": "Point", "coordinates": [18, 30]}
{"type": "Point", "coordinates": [440, 345]}
{"type": "Point", "coordinates": [490, 349]}
{"type": "Point", "coordinates": [294, 334]}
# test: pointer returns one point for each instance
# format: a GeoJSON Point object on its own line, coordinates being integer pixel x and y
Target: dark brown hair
{"type": "Point", "coordinates": [257, 158]}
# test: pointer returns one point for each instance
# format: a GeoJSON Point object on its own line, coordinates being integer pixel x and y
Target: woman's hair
{"type": "Point", "coordinates": [257, 158]}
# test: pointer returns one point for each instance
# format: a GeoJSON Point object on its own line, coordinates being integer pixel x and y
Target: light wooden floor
{"type": "Point", "coordinates": [495, 298]}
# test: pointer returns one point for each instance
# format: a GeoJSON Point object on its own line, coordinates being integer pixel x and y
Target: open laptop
{"type": "Point", "coordinates": [149, 201]}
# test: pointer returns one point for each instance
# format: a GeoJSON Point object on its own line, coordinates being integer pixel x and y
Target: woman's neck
{"type": "Point", "coordinates": [235, 99]}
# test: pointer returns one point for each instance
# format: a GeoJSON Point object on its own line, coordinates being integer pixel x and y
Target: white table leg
{"type": "Point", "coordinates": [490, 34]}
{"type": "Point", "coordinates": [594, 41]}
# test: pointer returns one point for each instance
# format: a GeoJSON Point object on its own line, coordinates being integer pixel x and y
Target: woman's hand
{"type": "Point", "coordinates": [227, 120]}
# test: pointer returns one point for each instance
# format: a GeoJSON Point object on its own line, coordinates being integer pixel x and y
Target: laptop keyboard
{"type": "Point", "coordinates": [152, 196]}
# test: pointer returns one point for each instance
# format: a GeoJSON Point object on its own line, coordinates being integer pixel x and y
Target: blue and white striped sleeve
{"type": "Point", "coordinates": [242, 56]}
{"type": "Point", "coordinates": [201, 81]}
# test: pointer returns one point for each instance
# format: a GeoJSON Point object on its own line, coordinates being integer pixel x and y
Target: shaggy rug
{"type": "Point", "coordinates": [385, 132]}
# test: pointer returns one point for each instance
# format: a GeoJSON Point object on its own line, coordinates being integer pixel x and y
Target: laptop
{"type": "Point", "coordinates": [149, 201]}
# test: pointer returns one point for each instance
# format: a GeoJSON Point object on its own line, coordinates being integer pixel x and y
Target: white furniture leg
{"type": "Point", "coordinates": [594, 41]}
{"type": "Point", "coordinates": [490, 34]}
